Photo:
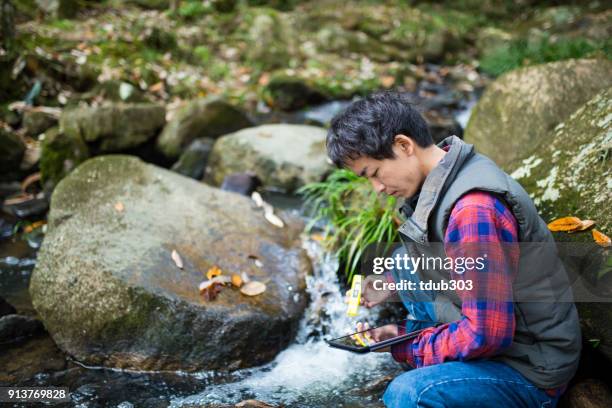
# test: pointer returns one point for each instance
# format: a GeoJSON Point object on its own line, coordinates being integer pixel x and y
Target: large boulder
{"type": "Point", "coordinates": [282, 156]}
{"type": "Point", "coordinates": [206, 117]}
{"type": "Point", "coordinates": [570, 174]}
{"type": "Point", "coordinates": [114, 127]}
{"type": "Point", "coordinates": [108, 291]}
{"type": "Point", "coordinates": [520, 108]}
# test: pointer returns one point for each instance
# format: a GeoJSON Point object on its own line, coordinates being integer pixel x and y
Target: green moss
{"type": "Point", "coordinates": [521, 52]}
{"type": "Point", "coordinates": [60, 154]}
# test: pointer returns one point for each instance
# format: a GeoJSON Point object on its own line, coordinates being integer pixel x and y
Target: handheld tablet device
{"type": "Point", "coordinates": [363, 341]}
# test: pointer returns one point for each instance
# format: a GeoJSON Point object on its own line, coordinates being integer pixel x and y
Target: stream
{"type": "Point", "coordinates": [307, 374]}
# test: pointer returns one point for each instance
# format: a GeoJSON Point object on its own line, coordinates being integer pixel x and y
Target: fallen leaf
{"type": "Point", "coordinates": [584, 225]}
{"type": "Point", "coordinates": [177, 259]}
{"type": "Point", "coordinates": [33, 226]}
{"type": "Point", "coordinates": [236, 280]}
{"type": "Point", "coordinates": [119, 206]}
{"type": "Point", "coordinates": [565, 224]}
{"type": "Point", "coordinates": [212, 272]}
{"type": "Point", "coordinates": [210, 289]}
{"type": "Point", "coordinates": [601, 238]}
{"type": "Point", "coordinates": [245, 277]}
{"type": "Point", "coordinates": [256, 197]}
{"type": "Point", "coordinates": [156, 87]}
{"type": "Point", "coordinates": [271, 217]}
{"type": "Point", "coordinates": [253, 288]}
{"type": "Point", "coordinates": [317, 237]}
{"type": "Point", "coordinates": [387, 81]}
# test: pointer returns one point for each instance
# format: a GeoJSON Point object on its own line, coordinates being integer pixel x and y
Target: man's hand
{"type": "Point", "coordinates": [370, 297]}
{"type": "Point", "coordinates": [380, 333]}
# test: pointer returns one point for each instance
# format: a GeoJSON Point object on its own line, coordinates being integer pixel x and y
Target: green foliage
{"type": "Point", "coordinates": [203, 54]}
{"type": "Point", "coordinates": [191, 10]}
{"type": "Point", "coordinates": [356, 216]}
{"type": "Point", "coordinates": [521, 52]}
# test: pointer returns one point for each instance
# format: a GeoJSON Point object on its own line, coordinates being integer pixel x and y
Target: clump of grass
{"type": "Point", "coordinates": [520, 52]}
{"type": "Point", "coordinates": [356, 217]}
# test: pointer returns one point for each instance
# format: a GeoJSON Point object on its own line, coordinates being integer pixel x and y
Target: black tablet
{"type": "Point", "coordinates": [362, 342]}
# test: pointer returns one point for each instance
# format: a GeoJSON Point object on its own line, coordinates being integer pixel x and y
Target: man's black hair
{"type": "Point", "coordinates": [368, 127]}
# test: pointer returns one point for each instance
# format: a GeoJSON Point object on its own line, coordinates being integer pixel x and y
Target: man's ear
{"type": "Point", "coordinates": [403, 145]}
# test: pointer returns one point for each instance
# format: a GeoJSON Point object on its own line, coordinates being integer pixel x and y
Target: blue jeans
{"type": "Point", "coordinates": [474, 383]}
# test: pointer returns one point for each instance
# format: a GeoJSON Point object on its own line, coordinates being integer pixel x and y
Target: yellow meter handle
{"type": "Point", "coordinates": [354, 296]}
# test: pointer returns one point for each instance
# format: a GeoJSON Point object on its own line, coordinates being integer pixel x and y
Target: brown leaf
{"type": "Point", "coordinates": [177, 259]}
{"type": "Point", "coordinates": [565, 224]}
{"type": "Point", "coordinates": [236, 280]}
{"type": "Point", "coordinates": [210, 289]}
{"type": "Point", "coordinates": [32, 178]}
{"type": "Point", "coordinates": [212, 272]}
{"type": "Point", "coordinates": [387, 81]}
{"type": "Point", "coordinates": [119, 206]}
{"type": "Point", "coordinates": [254, 404]}
{"type": "Point", "coordinates": [253, 288]}
{"type": "Point", "coordinates": [33, 226]}
{"type": "Point", "coordinates": [601, 238]}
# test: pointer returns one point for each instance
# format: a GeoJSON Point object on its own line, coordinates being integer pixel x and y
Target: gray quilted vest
{"type": "Point", "coordinates": [547, 341]}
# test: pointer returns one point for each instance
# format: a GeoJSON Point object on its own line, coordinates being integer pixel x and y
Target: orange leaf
{"type": "Point", "coordinates": [584, 225]}
{"type": "Point", "coordinates": [565, 224]}
{"type": "Point", "coordinates": [236, 280]}
{"type": "Point", "coordinates": [387, 81]}
{"type": "Point", "coordinates": [212, 272]}
{"type": "Point", "coordinates": [119, 206]}
{"type": "Point", "coordinates": [601, 238]}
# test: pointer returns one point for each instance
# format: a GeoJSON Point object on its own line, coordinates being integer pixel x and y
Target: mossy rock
{"type": "Point", "coordinates": [60, 154]}
{"type": "Point", "coordinates": [519, 109]}
{"type": "Point", "coordinates": [114, 127]}
{"type": "Point", "coordinates": [109, 293]}
{"type": "Point", "coordinates": [291, 93]}
{"type": "Point", "coordinates": [206, 117]}
{"type": "Point", "coordinates": [570, 174]}
{"type": "Point", "coordinates": [570, 171]}
{"type": "Point", "coordinates": [282, 156]}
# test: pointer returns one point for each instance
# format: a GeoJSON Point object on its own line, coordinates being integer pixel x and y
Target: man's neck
{"type": "Point", "coordinates": [431, 156]}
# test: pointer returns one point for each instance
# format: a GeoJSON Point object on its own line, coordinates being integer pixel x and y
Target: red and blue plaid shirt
{"type": "Point", "coordinates": [487, 323]}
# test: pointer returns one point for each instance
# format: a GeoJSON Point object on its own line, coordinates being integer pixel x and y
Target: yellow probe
{"type": "Point", "coordinates": [354, 296]}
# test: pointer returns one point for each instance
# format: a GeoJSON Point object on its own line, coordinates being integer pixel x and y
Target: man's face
{"type": "Point", "coordinates": [400, 176]}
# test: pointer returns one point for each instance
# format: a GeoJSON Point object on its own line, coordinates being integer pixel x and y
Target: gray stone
{"type": "Point", "coordinates": [114, 127]}
{"type": "Point", "coordinates": [109, 293]}
{"type": "Point", "coordinates": [60, 154]}
{"type": "Point", "coordinates": [194, 159]}
{"type": "Point", "coordinates": [520, 108]}
{"type": "Point", "coordinates": [206, 117]}
{"type": "Point", "coordinates": [36, 121]}
{"type": "Point", "coordinates": [282, 156]}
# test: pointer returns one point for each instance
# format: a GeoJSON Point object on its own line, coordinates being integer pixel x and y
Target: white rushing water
{"type": "Point", "coordinates": [309, 372]}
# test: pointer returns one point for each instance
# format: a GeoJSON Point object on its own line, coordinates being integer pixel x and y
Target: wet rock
{"type": "Point", "coordinates": [207, 117]}
{"type": "Point", "coordinates": [36, 206]}
{"type": "Point", "coordinates": [130, 305]}
{"type": "Point", "coordinates": [241, 183]}
{"type": "Point", "coordinates": [257, 149]}
{"type": "Point", "coordinates": [194, 159]}
{"type": "Point", "coordinates": [36, 121]}
{"type": "Point", "coordinates": [6, 227]}
{"type": "Point", "coordinates": [11, 151]}
{"type": "Point", "coordinates": [291, 93]}
{"type": "Point", "coordinates": [442, 126]}
{"type": "Point", "coordinates": [14, 327]}
{"type": "Point", "coordinates": [114, 127]}
{"type": "Point", "coordinates": [22, 362]}
{"type": "Point", "coordinates": [519, 109]}
{"type": "Point", "coordinates": [6, 308]}
{"type": "Point", "coordinates": [60, 154]}
{"type": "Point", "coordinates": [589, 393]}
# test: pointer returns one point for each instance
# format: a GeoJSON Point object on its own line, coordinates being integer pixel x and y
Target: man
{"type": "Point", "coordinates": [500, 345]}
